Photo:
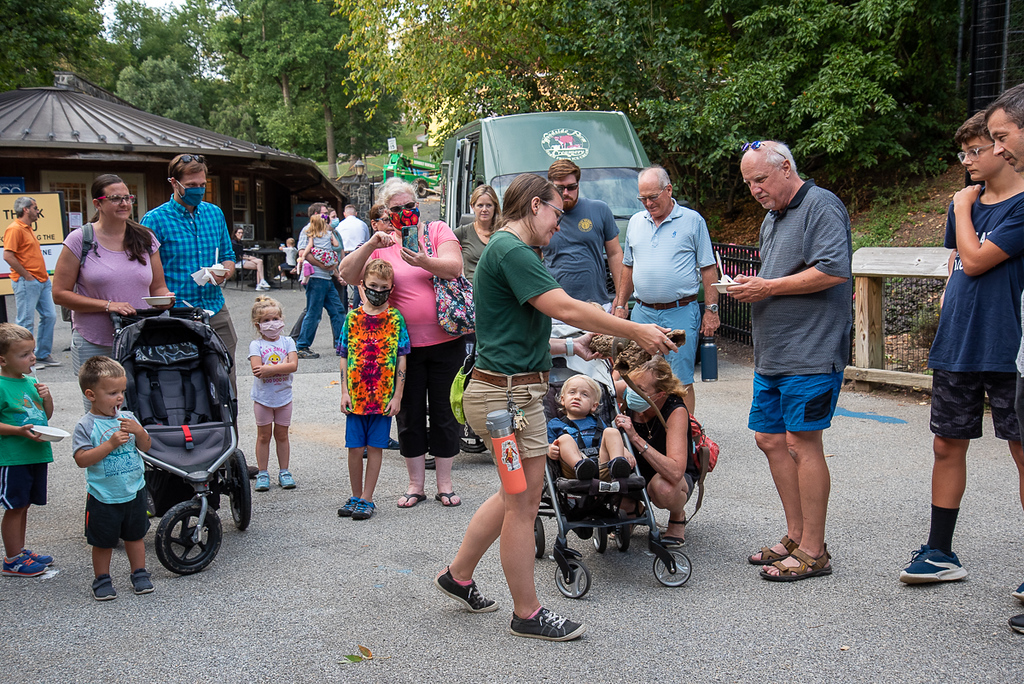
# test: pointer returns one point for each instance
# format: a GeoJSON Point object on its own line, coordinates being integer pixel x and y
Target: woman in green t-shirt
{"type": "Point", "coordinates": [515, 298]}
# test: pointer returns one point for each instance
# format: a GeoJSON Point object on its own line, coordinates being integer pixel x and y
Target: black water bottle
{"type": "Point", "coordinates": [708, 360]}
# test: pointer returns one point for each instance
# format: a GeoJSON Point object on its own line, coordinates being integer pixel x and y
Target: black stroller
{"type": "Point", "coordinates": [180, 390]}
{"type": "Point", "coordinates": [591, 507]}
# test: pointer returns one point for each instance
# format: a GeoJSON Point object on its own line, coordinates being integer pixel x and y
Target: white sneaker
{"type": "Point", "coordinates": [263, 285]}
{"type": "Point", "coordinates": [279, 278]}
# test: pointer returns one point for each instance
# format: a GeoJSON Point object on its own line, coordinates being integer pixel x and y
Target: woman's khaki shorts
{"type": "Point", "coordinates": [481, 398]}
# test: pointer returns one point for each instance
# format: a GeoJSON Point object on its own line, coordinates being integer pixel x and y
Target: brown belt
{"type": "Point", "coordinates": [500, 380]}
{"type": "Point", "coordinates": [670, 305]}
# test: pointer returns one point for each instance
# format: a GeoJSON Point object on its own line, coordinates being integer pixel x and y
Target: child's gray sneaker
{"type": "Point", "coordinates": [547, 625]}
{"type": "Point", "coordinates": [141, 582]}
{"type": "Point", "coordinates": [103, 589]}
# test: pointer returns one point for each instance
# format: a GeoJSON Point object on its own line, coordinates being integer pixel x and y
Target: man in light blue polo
{"type": "Point", "coordinates": [666, 257]}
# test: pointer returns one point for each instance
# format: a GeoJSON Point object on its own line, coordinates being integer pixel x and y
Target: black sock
{"type": "Point", "coordinates": [943, 523]}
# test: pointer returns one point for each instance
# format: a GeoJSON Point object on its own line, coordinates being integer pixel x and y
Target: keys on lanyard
{"type": "Point", "coordinates": [519, 420]}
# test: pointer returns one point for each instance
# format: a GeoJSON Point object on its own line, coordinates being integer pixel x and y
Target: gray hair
{"type": "Point", "coordinates": [660, 173]}
{"type": "Point", "coordinates": [1011, 102]}
{"type": "Point", "coordinates": [776, 152]}
{"type": "Point", "coordinates": [21, 204]}
{"type": "Point", "coordinates": [394, 186]}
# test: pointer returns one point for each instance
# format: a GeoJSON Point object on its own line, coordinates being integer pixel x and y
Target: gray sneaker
{"type": "Point", "coordinates": [468, 596]}
{"type": "Point", "coordinates": [1017, 623]}
{"type": "Point", "coordinates": [141, 583]}
{"type": "Point", "coordinates": [48, 361]}
{"type": "Point", "coordinates": [547, 625]}
{"type": "Point", "coordinates": [103, 589]}
{"type": "Point", "coordinates": [307, 353]}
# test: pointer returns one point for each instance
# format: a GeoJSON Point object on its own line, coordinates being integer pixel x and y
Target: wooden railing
{"type": "Point", "coordinates": [871, 265]}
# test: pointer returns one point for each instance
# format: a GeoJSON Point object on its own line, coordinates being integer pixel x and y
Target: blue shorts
{"type": "Point", "coordinates": [794, 403]}
{"type": "Point", "coordinates": [105, 523]}
{"type": "Point", "coordinates": [680, 318]}
{"type": "Point", "coordinates": [23, 485]}
{"type": "Point", "coordinates": [363, 431]}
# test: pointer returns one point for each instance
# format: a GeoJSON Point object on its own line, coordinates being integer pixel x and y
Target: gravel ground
{"type": "Point", "coordinates": [299, 590]}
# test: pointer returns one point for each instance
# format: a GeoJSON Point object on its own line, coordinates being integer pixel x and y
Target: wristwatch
{"type": "Point", "coordinates": [713, 308]}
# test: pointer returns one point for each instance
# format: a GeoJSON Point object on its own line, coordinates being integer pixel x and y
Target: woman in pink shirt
{"type": "Point", "coordinates": [436, 356]}
{"type": "Point", "coordinates": [121, 268]}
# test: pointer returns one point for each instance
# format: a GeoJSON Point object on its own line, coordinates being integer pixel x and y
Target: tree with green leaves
{"type": "Point", "coordinates": [162, 87]}
{"type": "Point", "coordinates": [46, 35]}
{"type": "Point", "coordinates": [850, 84]}
{"type": "Point", "coordinates": [282, 56]}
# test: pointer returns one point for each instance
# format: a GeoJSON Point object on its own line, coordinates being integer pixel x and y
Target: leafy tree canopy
{"type": "Point", "coordinates": [849, 84]}
{"type": "Point", "coordinates": [43, 35]}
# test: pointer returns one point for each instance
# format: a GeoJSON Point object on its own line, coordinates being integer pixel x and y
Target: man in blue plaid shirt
{"type": "Point", "coordinates": [191, 232]}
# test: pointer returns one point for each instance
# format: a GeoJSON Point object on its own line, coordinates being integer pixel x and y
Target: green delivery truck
{"type": "Point", "coordinates": [497, 149]}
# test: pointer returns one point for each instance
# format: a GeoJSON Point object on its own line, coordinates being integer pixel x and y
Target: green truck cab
{"type": "Point", "coordinates": [497, 149]}
{"type": "Point", "coordinates": [424, 175]}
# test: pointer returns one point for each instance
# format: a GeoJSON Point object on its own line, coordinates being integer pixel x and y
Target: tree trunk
{"type": "Point", "coordinates": [286, 91]}
{"type": "Point", "coordinates": [332, 157]}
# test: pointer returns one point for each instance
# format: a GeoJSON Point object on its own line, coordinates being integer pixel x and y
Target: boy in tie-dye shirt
{"type": "Point", "coordinates": [373, 345]}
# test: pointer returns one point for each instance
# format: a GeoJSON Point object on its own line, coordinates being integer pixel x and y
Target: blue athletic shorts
{"type": "Point", "coordinates": [363, 431]}
{"type": "Point", "coordinates": [23, 485]}
{"type": "Point", "coordinates": [794, 403]}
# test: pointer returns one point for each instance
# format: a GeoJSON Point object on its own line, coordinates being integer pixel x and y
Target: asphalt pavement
{"type": "Point", "coordinates": [301, 589]}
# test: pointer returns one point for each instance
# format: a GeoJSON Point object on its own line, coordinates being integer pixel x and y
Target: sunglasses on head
{"type": "Point", "coordinates": [397, 209]}
{"type": "Point", "coordinates": [756, 145]}
{"type": "Point", "coordinates": [197, 158]}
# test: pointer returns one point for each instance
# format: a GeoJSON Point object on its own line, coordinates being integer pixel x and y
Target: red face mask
{"type": "Point", "coordinates": [408, 217]}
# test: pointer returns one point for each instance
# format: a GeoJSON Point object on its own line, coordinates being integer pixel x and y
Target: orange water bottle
{"type": "Point", "coordinates": [506, 450]}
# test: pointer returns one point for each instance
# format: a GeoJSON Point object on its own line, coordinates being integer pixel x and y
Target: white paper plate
{"type": "Point", "coordinates": [158, 301]}
{"type": "Point", "coordinates": [721, 287]}
{"type": "Point", "coordinates": [50, 434]}
{"type": "Point", "coordinates": [218, 270]}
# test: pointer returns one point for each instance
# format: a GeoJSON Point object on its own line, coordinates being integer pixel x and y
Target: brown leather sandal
{"type": "Point", "coordinates": [808, 567]}
{"type": "Point", "coordinates": [768, 556]}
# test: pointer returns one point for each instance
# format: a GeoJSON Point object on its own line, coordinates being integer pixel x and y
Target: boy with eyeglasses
{"type": "Point", "coordinates": [977, 340]}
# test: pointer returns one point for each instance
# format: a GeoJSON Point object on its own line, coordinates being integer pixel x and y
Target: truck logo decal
{"type": "Point", "coordinates": [565, 143]}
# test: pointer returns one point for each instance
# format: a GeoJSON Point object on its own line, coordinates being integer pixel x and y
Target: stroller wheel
{"type": "Point", "coordinates": [239, 493]}
{"type": "Point", "coordinates": [601, 539]}
{"type": "Point", "coordinates": [682, 571]}
{"type": "Point", "coordinates": [538, 537]}
{"type": "Point", "coordinates": [622, 537]}
{"type": "Point", "coordinates": [176, 548]}
{"type": "Point", "coordinates": [578, 584]}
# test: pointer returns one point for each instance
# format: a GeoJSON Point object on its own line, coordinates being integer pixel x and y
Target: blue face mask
{"type": "Point", "coordinates": [192, 196]}
{"type": "Point", "coordinates": [334, 222]}
{"type": "Point", "coordinates": [635, 401]}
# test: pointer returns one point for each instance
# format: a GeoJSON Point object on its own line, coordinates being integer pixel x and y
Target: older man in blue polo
{"type": "Point", "coordinates": [667, 255]}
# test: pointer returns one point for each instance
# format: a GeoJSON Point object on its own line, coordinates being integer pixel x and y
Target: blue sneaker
{"type": "Point", "coordinates": [932, 565]}
{"type": "Point", "coordinates": [1019, 594]}
{"type": "Point", "coordinates": [263, 481]}
{"type": "Point", "coordinates": [285, 479]}
{"type": "Point", "coordinates": [1017, 623]}
{"type": "Point", "coordinates": [23, 566]}
{"type": "Point", "coordinates": [364, 511]}
{"type": "Point", "coordinates": [48, 560]}
{"type": "Point", "coordinates": [350, 506]}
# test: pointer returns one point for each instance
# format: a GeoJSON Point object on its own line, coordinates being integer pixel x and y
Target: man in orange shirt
{"type": "Point", "coordinates": [30, 281]}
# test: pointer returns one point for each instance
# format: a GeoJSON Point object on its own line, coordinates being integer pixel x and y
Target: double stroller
{"type": "Point", "coordinates": [179, 389]}
{"type": "Point", "coordinates": [591, 508]}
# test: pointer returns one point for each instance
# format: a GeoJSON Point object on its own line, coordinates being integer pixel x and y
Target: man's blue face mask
{"type": "Point", "coordinates": [191, 196]}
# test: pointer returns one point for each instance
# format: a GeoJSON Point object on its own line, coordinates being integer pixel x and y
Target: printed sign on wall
{"type": "Point", "coordinates": [50, 230]}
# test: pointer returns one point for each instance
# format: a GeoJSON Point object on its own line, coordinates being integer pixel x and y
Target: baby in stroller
{"type": "Point", "coordinates": [579, 439]}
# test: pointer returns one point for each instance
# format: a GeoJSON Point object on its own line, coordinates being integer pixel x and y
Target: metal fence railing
{"type": "Point", "coordinates": [910, 312]}
{"type": "Point", "coordinates": [735, 316]}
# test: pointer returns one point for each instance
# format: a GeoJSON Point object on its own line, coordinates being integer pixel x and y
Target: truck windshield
{"type": "Point", "coordinates": [616, 187]}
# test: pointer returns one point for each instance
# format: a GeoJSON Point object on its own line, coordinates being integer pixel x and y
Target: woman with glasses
{"type": "Point", "coordinates": [122, 266]}
{"type": "Point", "coordinates": [436, 356]}
{"type": "Point", "coordinates": [515, 298]}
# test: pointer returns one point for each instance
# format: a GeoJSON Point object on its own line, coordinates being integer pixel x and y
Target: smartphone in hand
{"type": "Point", "coordinates": [411, 238]}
